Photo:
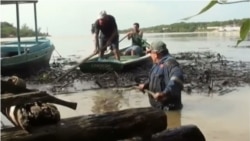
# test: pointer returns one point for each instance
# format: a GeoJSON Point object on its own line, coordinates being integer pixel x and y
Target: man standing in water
{"type": "Point", "coordinates": [165, 79]}
{"type": "Point", "coordinates": [106, 28]}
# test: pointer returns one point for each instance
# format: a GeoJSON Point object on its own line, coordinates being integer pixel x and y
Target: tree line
{"type": "Point", "coordinates": [189, 27]}
{"type": "Point", "coordinates": [8, 30]}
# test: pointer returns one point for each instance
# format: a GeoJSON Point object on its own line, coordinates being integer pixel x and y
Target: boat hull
{"type": "Point", "coordinates": [27, 63]}
{"type": "Point", "coordinates": [126, 63]}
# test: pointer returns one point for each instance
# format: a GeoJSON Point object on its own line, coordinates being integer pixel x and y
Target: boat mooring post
{"type": "Point", "coordinates": [18, 28]}
{"type": "Point", "coordinates": [35, 17]}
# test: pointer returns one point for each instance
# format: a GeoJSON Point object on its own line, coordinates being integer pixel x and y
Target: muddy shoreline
{"type": "Point", "coordinates": [205, 72]}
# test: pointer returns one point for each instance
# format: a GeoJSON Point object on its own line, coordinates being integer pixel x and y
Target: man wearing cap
{"type": "Point", "coordinates": [106, 28]}
{"type": "Point", "coordinates": [165, 79]}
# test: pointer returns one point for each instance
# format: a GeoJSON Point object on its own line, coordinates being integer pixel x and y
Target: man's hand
{"type": "Point", "coordinates": [129, 35]}
{"type": "Point", "coordinates": [159, 96]}
{"type": "Point", "coordinates": [141, 87]}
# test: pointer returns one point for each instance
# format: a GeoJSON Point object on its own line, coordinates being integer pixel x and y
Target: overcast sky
{"type": "Point", "coordinates": [74, 17]}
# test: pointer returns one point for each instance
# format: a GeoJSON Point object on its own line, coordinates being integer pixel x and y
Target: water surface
{"type": "Point", "coordinates": [220, 117]}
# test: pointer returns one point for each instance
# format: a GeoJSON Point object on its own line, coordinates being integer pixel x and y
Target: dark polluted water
{"type": "Point", "coordinates": [215, 95]}
{"type": "Point", "coordinates": [206, 72]}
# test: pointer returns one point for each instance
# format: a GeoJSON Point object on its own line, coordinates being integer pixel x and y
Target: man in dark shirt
{"type": "Point", "coordinates": [106, 29]}
{"type": "Point", "coordinates": [165, 79]}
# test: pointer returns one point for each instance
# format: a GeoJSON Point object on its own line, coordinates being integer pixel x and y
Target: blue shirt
{"type": "Point", "coordinates": [166, 77]}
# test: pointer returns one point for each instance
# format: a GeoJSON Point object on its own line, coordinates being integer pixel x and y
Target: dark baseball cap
{"type": "Point", "coordinates": [157, 46]}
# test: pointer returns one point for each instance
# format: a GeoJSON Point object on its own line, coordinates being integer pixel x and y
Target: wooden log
{"type": "Point", "coordinates": [8, 87]}
{"type": "Point", "coordinates": [14, 95]}
{"type": "Point", "coordinates": [110, 126]}
{"type": "Point", "coordinates": [182, 133]}
{"type": "Point", "coordinates": [19, 99]}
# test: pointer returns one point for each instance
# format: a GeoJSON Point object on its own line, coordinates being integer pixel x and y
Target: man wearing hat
{"type": "Point", "coordinates": [106, 27]}
{"type": "Point", "coordinates": [165, 79]}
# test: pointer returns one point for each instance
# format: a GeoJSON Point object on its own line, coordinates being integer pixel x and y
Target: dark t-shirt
{"type": "Point", "coordinates": [108, 27]}
{"type": "Point", "coordinates": [93, 28]}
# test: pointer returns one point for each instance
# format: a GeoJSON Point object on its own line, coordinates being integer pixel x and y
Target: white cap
{"type": "Point", "coordinates": [102, 14]}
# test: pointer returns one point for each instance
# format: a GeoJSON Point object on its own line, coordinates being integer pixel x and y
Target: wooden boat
{"type": "Point", "coordinates": [25, 57]}
{"type": "Point", "coordinates": [111, 64]}
{"type": "Point", "coordinates": [34, 55]}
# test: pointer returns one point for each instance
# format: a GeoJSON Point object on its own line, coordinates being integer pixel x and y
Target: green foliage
{"type": "Point", "coordinates": [25, 31]}
{"type": "Point", "coordinates": [211, 4]}
{"type": "Point", "coordinates": [244, 30]}
{"type": "Point", "coordinates": [8, 30]}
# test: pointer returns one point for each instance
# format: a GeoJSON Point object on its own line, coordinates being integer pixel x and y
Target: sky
{"type": "Point", "coordinates": [74, 17]}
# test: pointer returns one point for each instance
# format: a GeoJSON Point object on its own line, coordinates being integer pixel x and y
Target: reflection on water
{"type": "Point", "coordinates": [220, 118]}
{"type": "Point", "coordinates": [173, 118]}
{"type": "Point", "coordinates": [108, 101]}
{"type": "Point", "coordinates": [215, 116]}
{"type": "Point", "coordinates": [114, 100]}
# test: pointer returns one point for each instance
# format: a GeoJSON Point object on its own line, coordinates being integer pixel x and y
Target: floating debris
{"type": "Point", "coordinates": [204, 72]}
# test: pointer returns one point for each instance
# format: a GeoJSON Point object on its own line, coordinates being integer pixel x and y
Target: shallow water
{"type": "Point", "coordinates": [220, 117]}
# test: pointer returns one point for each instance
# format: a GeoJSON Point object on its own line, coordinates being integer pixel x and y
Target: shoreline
{"type": "Point", "coordinates": [236, 33]}
{"type": "Point", "coordinates": [146, 33]}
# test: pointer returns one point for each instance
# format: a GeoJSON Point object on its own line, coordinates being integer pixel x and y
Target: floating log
{"type": "Point", "coordinates": [112, 126]}
{"type": "Point", "coordinates": [182, 133]}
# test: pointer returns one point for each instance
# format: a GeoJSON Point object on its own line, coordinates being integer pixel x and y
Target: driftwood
{"type": "Point", "coordinates": [8, 87]}
{"type": "Point", "coordinates": [15, 95]}
{"type": "Point", "coordinates": [42, 96]}
{"type": "Point", "coordinates": [182, 133]}
{"type": "Point", "coordinates": [142, 122]}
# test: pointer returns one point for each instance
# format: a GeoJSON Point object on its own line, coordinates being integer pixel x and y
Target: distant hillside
{"type": "Point", "coordinates": [8, 30]}
{"type": "Point", "coordinates": [189, 27]}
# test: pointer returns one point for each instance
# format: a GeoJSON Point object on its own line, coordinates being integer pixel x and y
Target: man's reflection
{"type": "Point", "coordinates": [173, 118]}
{"type": "Point", "coordinates": [108, 101]}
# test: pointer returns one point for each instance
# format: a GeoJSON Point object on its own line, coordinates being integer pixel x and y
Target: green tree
{"type": "Point", "coordinates": [188, 27]}
{"type": "Point", "coordinates": [25, 31]}
{"type": "Point", "coordinates": [7, 29]}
